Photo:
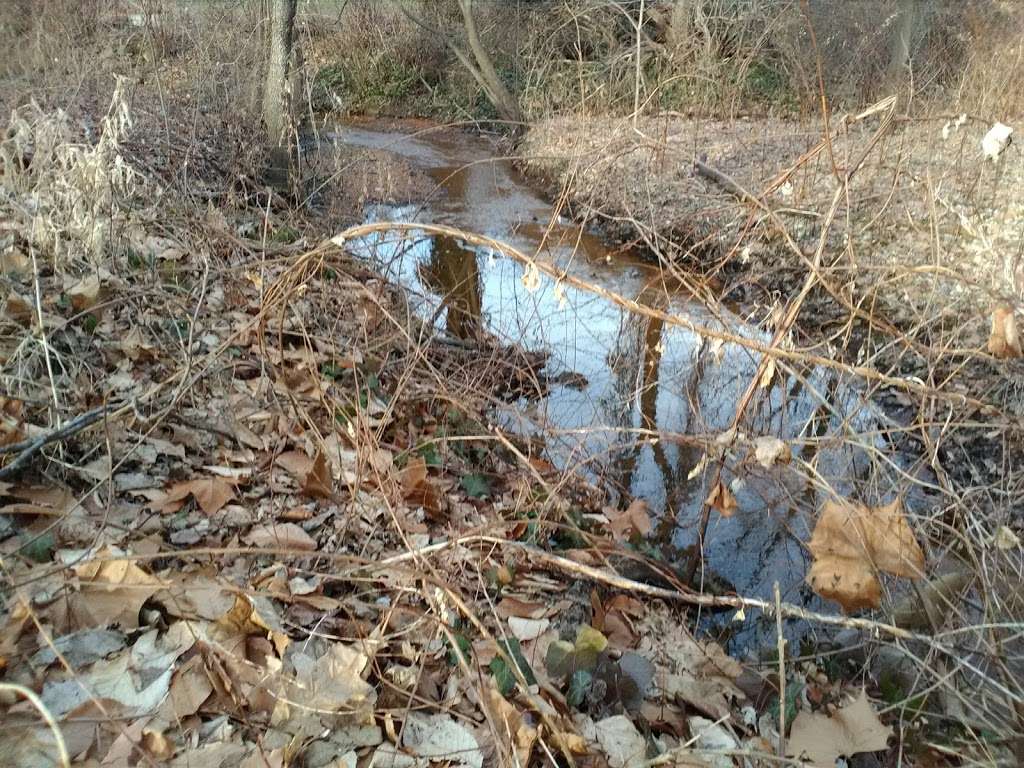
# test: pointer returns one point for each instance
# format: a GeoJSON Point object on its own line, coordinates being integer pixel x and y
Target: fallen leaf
{"type": "Point", "coordinates": [281, 535]}
{"type": "Point", "coordinates": [920, 608]}
{"type": "Point", "coordinates": [417, 489]}
{"type": "Point", "coordinates": [295, 463]}
{"type": "Point", "coordinates": [318, 482]}
{"type": "Point", "coordinates": [634, 519]}
{"type": "Point", "coordinates": [721, 498]}
{"type": "Point", "coordinates": [821, 739]}
{"type": "Point", "coordinates": [513, 606]}
{"type": "Point", "coordinates": [19, 309]}
{"type": "Point", "coordinates": [135, 347]}
{"type": "Point", "coordinates": [527, 629]}
{"type": "Point", "coordinates": [80, 649]}
{"type": "Point", "coordinates": [712, 736]}
{"type": "Point", "coordinates": [85, 294]}
{"type": "Point", "coordinates": [698, 673]}
{"type": "Point", "coordinates": [621, 742]}
{"type": "Point", "coordinates": [439, 738]}
{"type": "Point", "coordinates": [139, 679]}
{"type": "Point", "coordinates": [52, 502]}
{"type": "Point", "coordinates": [1004, 341]}
{"type": "Point", "coordinates": [190, 687]}
{"type": "Point", "coordinates": [769, 451]}
{"type": "Point", "coordinates": [157, 745]}
{"type": "Point", "coordinates": [112, 592]}
{"type": "Point", "coordinates": [211, 493]}
{"type": "Point", "coordinates": [15, 264]}
{"type": "Point", "coordinates": [852, 542]}
{"type": "Point", "coordinates": [331, 683]}
{"type": "Point", "coordinates": [513, 730]}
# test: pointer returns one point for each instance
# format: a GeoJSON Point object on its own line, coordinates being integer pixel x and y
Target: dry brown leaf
{"type": "Point", "coordinates": [513, 606]}
{"type": "Point", "coordinates": [281, 535]}
{"type": "Point", "coordinates": [381, 460]}
{"type": "Point", "coordinates": [85, 294]}
{"type": "Point", "coordinates": [926, 604]}
{"type": "Point", "coordinates": [513, 730]}
{"type": "Point", "coordinates": [56, 502]}
{"type": "Point", "coordinates": [721, 498]}
{"type": "Point", "coordinates": [821, 739]}
{"type": "Point", "coordinates": [318, 483]}
{"type": "Point", "coordinates": [769, 451]}
{"type": "Point", "coordinates": [295, 463]}
{"type": "Point", "coordinates": [135, 347]}
{"type": "Point", "coordinates": [1004, 341]}
{"type": "Point", "coordinates": [112, 592]}
{"type": "Point", "coordinates": [634, 519]}
{"type": "Point", "coordinates": [157, 745]}
{"type": "Point", "coordinates": [211, 493]}
{"type": "Point", "coordinates": [417, 488]}
{"type": "Point", "coordinates": [196, 596]}
{"type": "Point", "coordinates": [19, 309]}
{"type": "Point", "coordinates": [698, 673]}
{"type": "Point", "coordinates": [852, 542]}
{"type": "Point", "coordinates": [413, 473]}
{"type": "Point", "coordinates": [190, 687]}
{"type": "Point", "coordinates": [314, 475]}
{"type": "Point", "coordinates": [15, 264]}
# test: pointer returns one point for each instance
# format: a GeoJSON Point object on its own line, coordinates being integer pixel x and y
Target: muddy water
{"type": "Point", "coordinates": [643, 378]}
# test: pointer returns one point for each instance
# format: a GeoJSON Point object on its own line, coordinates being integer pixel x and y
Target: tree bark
{"type": "Point", "coordinates": [487, 75]}
{"type": "Point", "coordinates": [909, 18]}
{"type": "Point", "coordinates": [478, 63]}
{"type": "Point", "coordinates": [275, 94]}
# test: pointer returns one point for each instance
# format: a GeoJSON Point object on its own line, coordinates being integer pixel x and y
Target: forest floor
{"type": "Point", "coordinates": [253, 512]}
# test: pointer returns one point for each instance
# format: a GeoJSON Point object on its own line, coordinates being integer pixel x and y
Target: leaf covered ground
{"type": "Point", "coordinates": [252, 512]}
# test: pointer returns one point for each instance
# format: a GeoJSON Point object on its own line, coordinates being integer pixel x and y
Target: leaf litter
{"type": "Point", "coordinates": [256, 560]}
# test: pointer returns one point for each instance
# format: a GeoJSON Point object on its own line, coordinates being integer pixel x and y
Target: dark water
{"type": "Point", "coordinates": [642, 375]}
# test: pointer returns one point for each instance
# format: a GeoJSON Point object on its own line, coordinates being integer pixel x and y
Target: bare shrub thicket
{"type": "Point", "coordinates": [71, 197]}
{"type": "Point", "coordinates": [705, 57]}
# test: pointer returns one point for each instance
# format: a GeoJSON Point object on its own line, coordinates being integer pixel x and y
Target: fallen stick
{"type": "Point", "coordinates": [26, 449]}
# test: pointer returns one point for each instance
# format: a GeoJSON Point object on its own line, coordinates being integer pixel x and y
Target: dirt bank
{"type": "Point", "coordinates": [927, 233]}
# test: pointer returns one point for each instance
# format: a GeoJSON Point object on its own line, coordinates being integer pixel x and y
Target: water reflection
{"type": "Point", "coordinates": [452, 273]}
{"type": "Point", "coordinates": [642, 374]}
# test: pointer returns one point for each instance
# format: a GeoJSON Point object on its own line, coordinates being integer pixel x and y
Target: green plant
{"type": "Point", "coordinates": [766, 82]}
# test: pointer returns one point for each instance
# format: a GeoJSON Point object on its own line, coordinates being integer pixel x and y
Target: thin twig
{"type": "Point", "coordinates": [29, 448]}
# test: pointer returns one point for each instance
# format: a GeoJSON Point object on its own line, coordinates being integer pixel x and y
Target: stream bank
{"type": "Point", "coordinates": [642, 406]}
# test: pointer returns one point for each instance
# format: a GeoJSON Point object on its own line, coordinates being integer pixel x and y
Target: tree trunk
{"type": "Point", "coordinates": [485, 73]}
{"type": "Point", "coordinates": [276, 99]}
{"type": "Point", "coordinates": [477, 62]}
{"type": "Point", "coordinates": [909, 19]}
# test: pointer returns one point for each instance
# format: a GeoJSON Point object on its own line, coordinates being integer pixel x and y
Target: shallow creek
{"type": "Point", "coordinates": [638, 377]}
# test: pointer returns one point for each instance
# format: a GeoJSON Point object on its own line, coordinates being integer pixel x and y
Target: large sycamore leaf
{"type": "Point", "coordinates": [821, 739]}
{"type": "Point", "coordinates": [852, 542]}
{"type": "Point", "coordinates": [112, 592]}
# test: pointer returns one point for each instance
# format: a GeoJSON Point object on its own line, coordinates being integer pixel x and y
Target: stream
{"type": "Point", "coordinates": [629, 378]}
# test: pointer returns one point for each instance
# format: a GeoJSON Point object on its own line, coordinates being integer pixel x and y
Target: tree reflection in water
{"type": "Point", "coordinates": [453, 274]}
